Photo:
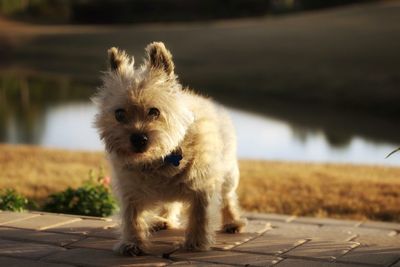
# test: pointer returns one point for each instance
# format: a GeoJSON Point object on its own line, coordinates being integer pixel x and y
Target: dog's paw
{"type": "Point", "coordinates": [127, 248]}
{"type": "Point", "coordinates": [193, 244]}
{"type": "Point", "coordinates": [234, 227]}
{"type": "Point", "coordinates": [189, 246]}
{"type": "Point", "coordinates": [159, 225]}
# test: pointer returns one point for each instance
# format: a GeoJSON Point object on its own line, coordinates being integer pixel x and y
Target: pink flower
{"type": "Point", "coordinates": [106, 180]}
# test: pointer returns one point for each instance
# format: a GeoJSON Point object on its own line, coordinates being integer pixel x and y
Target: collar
{"type": "Point", "coordinates": [174, 158]}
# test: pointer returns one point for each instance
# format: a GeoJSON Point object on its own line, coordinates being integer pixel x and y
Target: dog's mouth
{"type": "Point", "coordinates": [140, 160]}
{"type": "Point", "coordinates": [131, 153]}
{"type": "Point", "coordinates": [138, 151]}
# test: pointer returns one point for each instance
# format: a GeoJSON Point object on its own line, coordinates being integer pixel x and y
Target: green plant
{"type": "Point", "coordinates": [12, 201]}
{"type": "Point", "coordinates": [93, 198]}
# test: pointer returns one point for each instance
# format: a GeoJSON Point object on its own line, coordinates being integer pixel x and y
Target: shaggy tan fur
{"type": "Point", "coordinates": [149, 101]}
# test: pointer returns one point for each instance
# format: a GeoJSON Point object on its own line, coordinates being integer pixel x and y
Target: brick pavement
{"type": "Point", "coordinates": [44, 239]}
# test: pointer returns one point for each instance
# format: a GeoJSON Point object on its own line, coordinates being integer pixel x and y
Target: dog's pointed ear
{"type": "Point", "coordinates": [160, 58]}
{"type": "Point", "coordinates": [118, 59]}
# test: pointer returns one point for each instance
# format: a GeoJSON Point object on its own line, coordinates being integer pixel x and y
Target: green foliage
{"type": "Point", "coordinates": [9, 7]}
{"type": "Point", "coordinates": [12, 201]}
{"type": "Point", "coordinates": [126, 11]}
{"type": "Point", "coordinates": [93, 198]}
{"type": "Point", "coordinates": [42, 10]}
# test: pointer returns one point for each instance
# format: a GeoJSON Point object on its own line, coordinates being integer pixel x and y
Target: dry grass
{"type": "Point", "coordinates": [324, 190]}
{"type": "Point", "coordinates": [37, 172]}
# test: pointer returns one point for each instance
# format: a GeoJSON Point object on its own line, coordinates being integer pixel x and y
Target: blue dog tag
{"type": "Point", "coordinates": [173, 159]}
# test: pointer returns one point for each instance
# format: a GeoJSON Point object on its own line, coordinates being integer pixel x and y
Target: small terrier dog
{"type": "Point", "coordinates": [167, 146]}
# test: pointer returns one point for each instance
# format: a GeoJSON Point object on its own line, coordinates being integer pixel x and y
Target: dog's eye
{"type": "Point", "coordinates": [120, 115]}
{"type": "Point", "coordinates": [154, 112]}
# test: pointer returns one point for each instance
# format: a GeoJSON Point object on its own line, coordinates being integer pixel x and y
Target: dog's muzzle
{"type": "Point", "coordinates": [139, 142]}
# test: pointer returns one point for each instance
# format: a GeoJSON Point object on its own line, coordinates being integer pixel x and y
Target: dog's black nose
{"type": "Point", "coordinates": [139, 142]}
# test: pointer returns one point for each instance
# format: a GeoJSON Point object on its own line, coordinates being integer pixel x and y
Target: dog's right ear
{"type": "Point", "coordinates": [119, 60]}
{"type": "Point", "coordinates": [160, 58]}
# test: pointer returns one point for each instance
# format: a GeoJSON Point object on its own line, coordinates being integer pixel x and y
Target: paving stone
{"type": "Point", "coordinates": [375, 237]}
{"type": "Point", "coordinates": [26, 250]}
{"type": "Point", "coordinates": [73, 215]}
{"type": "Point", "coordinates": [252, 230]}
{"type": "Point", "coordinates": [266, 241]}
{"type": "Point", "coordinates": [198, 264]}
{"type": "Point", "coordinates": [256, 226]}
{"type": "Point", "coordinates": [13, 262]}
{"type": "Point", "coordinates": [160, 250]}
{"type": "Point", "coordinates": [382, 225]}
{"type": "Point", "coordinates": [328, 250]}
{"type": "Point", "coordinates": [108, 244]}
{"type": "Point", "coordinates": [95, 243]}
{"type": "Point", "coordinates": [228, 241]}
{"type": "Point", "coordinates": [171, 236]}
{"type": "Point", "coordinates": [268, 217]}
{"type": "Point", "coordinates": [111, 232]}
{"type": "Point", "coordinates": [9, 217]}
{"type": "Point", "coordinates": [84, 226]}
{"type": "Point", "coordinates": [380, 255]}
{"type": "Point", "coordinates": [372, 240]}
{"type": "Point", "coordinates": [227, 257]}
{"type": "Point", "coordinates": [223, 240]}
{"type": "Point", "coordinates": [42, 222]}
{"type": "Point", "coordinates": [309, 263]}
{"type": "Point", "coordinates": [302, 231]}
{"type": "Point", "coordinates": [307, 231]}
{"type": "Point", "coordinates": [96, 257]}
{"type": "Point", "coordinates": [37, 236]}
{"type": "Point", "coordinates": [268, 245]}
{"type": "Point", "coordinates": [326, 221]}
{"type": "Point", "coordinates": [338, 233]}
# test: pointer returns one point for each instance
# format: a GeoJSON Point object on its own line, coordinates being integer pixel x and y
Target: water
{"type": "Point", "coordinates": [267, 138]}
{"type": "Point", "coordinates": [69, 125]}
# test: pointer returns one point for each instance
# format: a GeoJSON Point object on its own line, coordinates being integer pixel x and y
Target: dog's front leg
{"type": "Point", "coordinates": [133, 231]}
{"type": "Point", "coordinates": [198, 234]}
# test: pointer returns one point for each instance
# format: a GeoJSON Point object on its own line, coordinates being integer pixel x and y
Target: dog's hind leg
{"type": "Point", "coordinates": [168, 217]}
{"type": "Point", "coordinates": [231, 221]}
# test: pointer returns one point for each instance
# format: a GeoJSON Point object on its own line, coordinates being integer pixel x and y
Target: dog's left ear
{"type": "Point", "coordinates": [160, 57]}
{"type": "Point", "coordinates": [119, 60]}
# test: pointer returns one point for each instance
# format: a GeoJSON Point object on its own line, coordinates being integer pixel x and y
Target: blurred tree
{"type": "Point", "coordinates": [125, 11]}
{"type": "Point", "coordinates": [9, 7]}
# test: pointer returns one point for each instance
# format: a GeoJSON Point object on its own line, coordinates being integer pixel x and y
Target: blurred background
{"type": "Point", "coordinates": [304, 80]}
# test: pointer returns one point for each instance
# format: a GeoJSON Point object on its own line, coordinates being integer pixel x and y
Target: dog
{"type": "Point", "coordinates": [166, 146]}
